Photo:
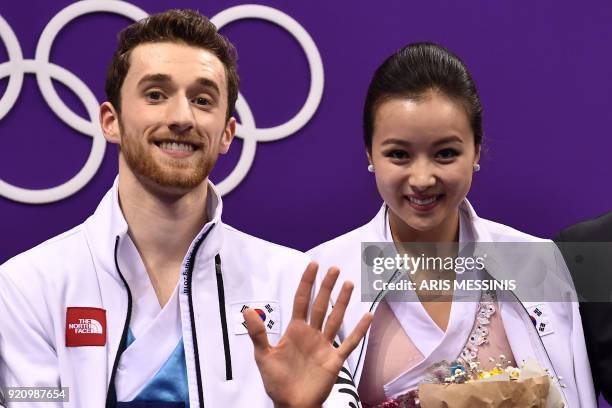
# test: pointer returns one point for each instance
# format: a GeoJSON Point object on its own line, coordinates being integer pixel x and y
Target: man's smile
{"type": "Point", "coordinates": [177, 149]}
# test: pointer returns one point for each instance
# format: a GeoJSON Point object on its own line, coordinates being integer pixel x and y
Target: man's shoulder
{"type": "Point", "coordinates": [595, 229]}
{"type": "Point", "coordinates": [47, 258]}
{"type": "Point", "coordinates": [263, 263]}
{"type": "Point", "coordinates": [249, 244]}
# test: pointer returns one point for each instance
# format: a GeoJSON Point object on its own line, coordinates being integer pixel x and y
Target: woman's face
{"type": "Point", "coordinates": [423, 154]}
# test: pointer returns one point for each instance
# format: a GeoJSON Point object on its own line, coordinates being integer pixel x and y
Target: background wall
{"type": "Point", "coordinates": [543, 71]}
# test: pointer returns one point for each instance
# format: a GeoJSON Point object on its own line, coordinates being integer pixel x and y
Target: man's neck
{"type": "Point", "coordinates": [162, 227]}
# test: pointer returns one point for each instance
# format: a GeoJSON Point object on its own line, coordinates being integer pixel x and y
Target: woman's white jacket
{"type": "Point", "coordinates": [561, 348]}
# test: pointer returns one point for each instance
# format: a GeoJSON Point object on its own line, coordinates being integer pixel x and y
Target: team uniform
{"type": "Point", "coordinates": [550, 332]}
{"type": "Point", "coordinates": [79, 311]}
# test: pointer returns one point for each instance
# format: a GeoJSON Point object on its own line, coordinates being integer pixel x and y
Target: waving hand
{"type": "Point", "coordinates": [302, 369]}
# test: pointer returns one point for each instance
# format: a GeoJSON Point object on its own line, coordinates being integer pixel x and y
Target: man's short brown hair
{"type": "Point", "coordinates": [179, 26]}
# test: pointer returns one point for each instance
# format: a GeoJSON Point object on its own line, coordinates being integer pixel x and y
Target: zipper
{"type": "Point", "coordinates": [194, 337]}
{"type": "Point", "coordinates": [377, 300]}
{"type": "Point", "coordinates": [552, 366]}
{"type": "Point", "coordinates": [221, 295]}
{"type": "Point", "coordinates": [527, 321]}
{"type": "Point", "coordinates": [111, 395]}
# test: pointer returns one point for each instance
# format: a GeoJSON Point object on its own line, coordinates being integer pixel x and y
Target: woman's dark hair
{"type": "Point", "coordinates": [416, 69]}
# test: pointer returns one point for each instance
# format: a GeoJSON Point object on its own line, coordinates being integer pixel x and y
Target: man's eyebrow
{"type": "Point", "coordinates": [156, 78]}
{"type": "Point", "coordinates": [208, 83]}
{"type": "Point", "coordinates": [165, 78]}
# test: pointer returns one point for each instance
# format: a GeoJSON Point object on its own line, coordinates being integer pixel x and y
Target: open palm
{"type": "Point", "coordinates": [302, 369]}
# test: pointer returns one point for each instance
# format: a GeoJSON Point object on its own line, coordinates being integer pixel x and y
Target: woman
{"type": "Point", "coordinates": [423, 133]}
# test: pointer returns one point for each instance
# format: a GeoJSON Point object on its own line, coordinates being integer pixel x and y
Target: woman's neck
{"type": "Point", "coordinates": [446, 231]}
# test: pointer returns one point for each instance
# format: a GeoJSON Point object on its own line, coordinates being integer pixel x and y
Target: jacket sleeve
{"type": "Point", "coordinates": [27, 356]}
{"type": "Point", "coordinates": [582, 368]}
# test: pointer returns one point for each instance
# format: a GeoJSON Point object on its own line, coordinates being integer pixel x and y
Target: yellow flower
{"type": "Point", "coordinates": [514, 373]}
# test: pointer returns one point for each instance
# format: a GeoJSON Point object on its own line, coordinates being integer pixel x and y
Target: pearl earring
{"type": "Point", "coordinates": [371, 168]}
{"type": "Point", "coordinates": [476, 168]}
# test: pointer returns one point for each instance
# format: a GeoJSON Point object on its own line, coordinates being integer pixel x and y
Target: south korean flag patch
{"type": "Point", "coordinates": [268, 312]}
{"type": "Point", "coordinates": [540, 317]}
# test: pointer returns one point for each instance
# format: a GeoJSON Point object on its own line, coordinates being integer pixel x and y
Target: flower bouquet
{"type": "Point", "coordinates": [455, 386]}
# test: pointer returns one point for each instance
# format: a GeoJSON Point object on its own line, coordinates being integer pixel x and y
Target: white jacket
{"type": "Point", "coordinates": [78, 269]}
{"type": "Point", "coordinates": [562, 351]}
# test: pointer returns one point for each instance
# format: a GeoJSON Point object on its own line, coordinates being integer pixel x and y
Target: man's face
{"type": "Point", "coordinates": [172, 124]}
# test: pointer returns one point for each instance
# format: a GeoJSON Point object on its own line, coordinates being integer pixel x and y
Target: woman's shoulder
{"type": "Point", "coordinates": [346, 241]}
{"type": "Point", "coordinates": [493, 231]}
{"type": "Point", "coordinates": [499, 232]}
{"type": "Point", "coordinates": [347, 247]}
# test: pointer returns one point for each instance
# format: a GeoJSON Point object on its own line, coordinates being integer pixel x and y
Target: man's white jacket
{"type": "Point", "coordinates": [560, 349]}
{"type": "Point", "coordinates": [81, 269]}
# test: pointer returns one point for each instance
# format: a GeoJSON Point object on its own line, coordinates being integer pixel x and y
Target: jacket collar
{"type": "Point", "coordinates": [107, 223]}
{"type": "Point", "coordinates": [478, 229]}
{"type": "Point", "coordinates": [471, 227]}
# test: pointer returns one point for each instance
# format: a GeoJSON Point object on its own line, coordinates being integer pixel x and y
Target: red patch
{"type": "Point", "coordinates": [261, 314]}
{"type": "Point", "coordinates": [85, 326]}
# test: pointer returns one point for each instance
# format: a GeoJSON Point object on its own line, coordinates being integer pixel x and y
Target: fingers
{"type": "Point", "coordinates": [334, 321]}
{"type": "Point", "coordinates": [257, 330]}
{"type": "Point", "coordinates": [353, 339]}
{"type": "Point", "coordinates": [304, 290]}
{"type": "Point", "coordinates": [321, 303]}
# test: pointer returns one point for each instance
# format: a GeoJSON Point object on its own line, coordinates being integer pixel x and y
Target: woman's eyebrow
{"type": "Point", "coordinates": [448, 139]}
{"type": "Point", "coordinates": [395, 141]}
{"type": "Point", "coordinates": [402, 142]}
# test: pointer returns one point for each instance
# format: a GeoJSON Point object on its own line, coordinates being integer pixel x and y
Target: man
{"type": "Point", "coordinates": [150, 300]}
{"type": "Point", "coordinates": [587, 249]}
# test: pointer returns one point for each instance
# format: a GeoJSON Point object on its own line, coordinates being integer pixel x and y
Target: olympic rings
{"type": "Point", "coordinates": [44, 70]}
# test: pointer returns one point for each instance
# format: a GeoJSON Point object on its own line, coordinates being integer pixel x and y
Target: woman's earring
{"type": "Point", "coordinates": [476, 168]}
{"type": "Point", "coordinates": [371, 168]}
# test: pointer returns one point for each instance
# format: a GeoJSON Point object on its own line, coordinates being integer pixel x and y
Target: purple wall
{"type": "Point", "coordinates": [543, 71]}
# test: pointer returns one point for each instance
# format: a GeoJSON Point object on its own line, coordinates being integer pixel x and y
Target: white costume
{"type": "Point", "coordinates": [68, 306]}
{"type": "Point", "coordinates": [561, 348]}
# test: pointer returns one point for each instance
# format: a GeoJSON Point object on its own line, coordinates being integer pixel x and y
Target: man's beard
{"type": "Point", "coordinates": [172, 173]}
